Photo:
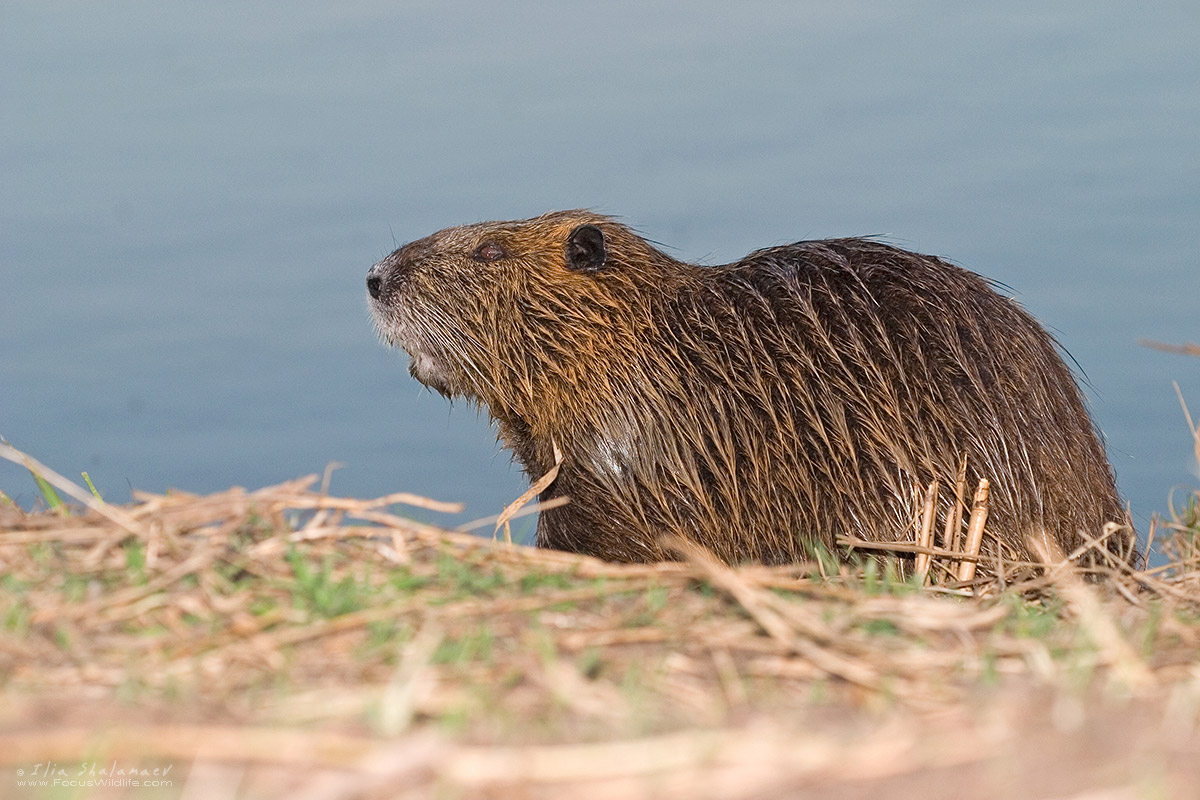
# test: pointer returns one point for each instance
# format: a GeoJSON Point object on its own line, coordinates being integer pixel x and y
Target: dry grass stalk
{"type": "Point", "coordinates": [1099, 625]}
{"type": "Point", "coordinates": [538, 486]}
{"type": "Point", "coordinates": [1193, 428]}
{"type": "Point", "coordinates": [325, 502]}
{"type": "Point", "coordinates": [907, 548]}
{"type": "Point", "coordinates": [1187, 348]}
{"type": "Point", "coordinates": [925, 534]}
{"type": "Point", "coordinates": [979, 513]}
{"type": "Point", "coordinates": [239, 744]}
{"type": "Point", "coordinates": [775, 620]}
{"type": "Point", "coordinates": [117, 515]}
{"type": "Point", "coordinates": [952, 536]}
{"type": "Point", "coordinates": [761, 760]}
{"type": "Point", "coordinates": [529, 508]}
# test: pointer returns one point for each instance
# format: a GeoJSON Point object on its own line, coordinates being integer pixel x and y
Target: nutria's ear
{"type": "Point", "coordinates": [585, 249]}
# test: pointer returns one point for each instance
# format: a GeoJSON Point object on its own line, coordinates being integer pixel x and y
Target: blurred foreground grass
{"type": "Point", "coordinates": [287, 643]}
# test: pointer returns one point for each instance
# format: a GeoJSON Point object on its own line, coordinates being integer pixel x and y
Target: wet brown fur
{"type": "Point", "coordinates": [757, 408]}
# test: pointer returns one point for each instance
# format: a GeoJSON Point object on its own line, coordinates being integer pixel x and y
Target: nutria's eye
{"type": "Point", "coordinates": [488, 251]}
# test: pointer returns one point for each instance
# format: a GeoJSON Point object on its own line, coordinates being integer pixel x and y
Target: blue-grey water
{"type": "Point", "coordinates": [191, 194]}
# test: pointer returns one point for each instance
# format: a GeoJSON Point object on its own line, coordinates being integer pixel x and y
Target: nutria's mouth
{"type": "Point", "coordinates": [396, 327]}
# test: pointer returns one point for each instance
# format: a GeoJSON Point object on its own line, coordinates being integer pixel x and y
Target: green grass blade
{"type": "Point", "coordinates": [53, 501]}
{"type": "Point", "coordinates": [88, 480]}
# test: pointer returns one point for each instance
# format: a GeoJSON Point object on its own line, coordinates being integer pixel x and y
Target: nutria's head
{"type": "Point", "coordinates": [526, 317]}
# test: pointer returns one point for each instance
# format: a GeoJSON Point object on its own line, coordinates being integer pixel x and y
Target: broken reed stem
{"type": "Point", "coordinates": [925, 536]}
{"type": "Point", "coordinates": [979, 513]}
{"type": "Point", "coordinates": [954, 519]}
{"type": "Point", "coordinates": [963, 561]}
{"type": "Point", "coordinates": [906, 547]}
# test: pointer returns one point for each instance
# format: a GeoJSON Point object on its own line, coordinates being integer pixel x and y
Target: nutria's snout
{"type": "Point", "coordinates": [375, 280]}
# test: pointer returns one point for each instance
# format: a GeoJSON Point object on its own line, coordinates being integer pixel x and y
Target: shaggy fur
{"type": "Point", "coordinates": [757, 408]}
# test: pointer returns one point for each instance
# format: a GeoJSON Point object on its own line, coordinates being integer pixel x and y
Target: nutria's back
{"type": "Point", "coordinates": [804, 392]}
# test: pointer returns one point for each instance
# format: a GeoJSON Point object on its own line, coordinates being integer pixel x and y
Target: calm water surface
{"type": "Point", "coordinates": [191, 196]}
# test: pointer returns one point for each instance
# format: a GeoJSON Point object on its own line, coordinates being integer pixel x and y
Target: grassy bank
{"type": "Point", "coordinates": [284, 642]}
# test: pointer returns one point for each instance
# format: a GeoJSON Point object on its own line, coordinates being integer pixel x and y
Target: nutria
{"type": "Point", "coordinates": [757, 408]}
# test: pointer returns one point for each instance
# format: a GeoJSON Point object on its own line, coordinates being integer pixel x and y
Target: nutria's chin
{"type": "Point", "coordinates": [427, 371]}
{"type": "Point", "coordinates": [758, 408]}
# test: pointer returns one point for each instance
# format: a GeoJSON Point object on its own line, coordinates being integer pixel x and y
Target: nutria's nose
{"type": "Point", "coordinates": [375, 281]}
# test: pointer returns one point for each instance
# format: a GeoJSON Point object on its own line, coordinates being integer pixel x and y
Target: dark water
{"type": "Point", "coordinates": [191, 194]}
